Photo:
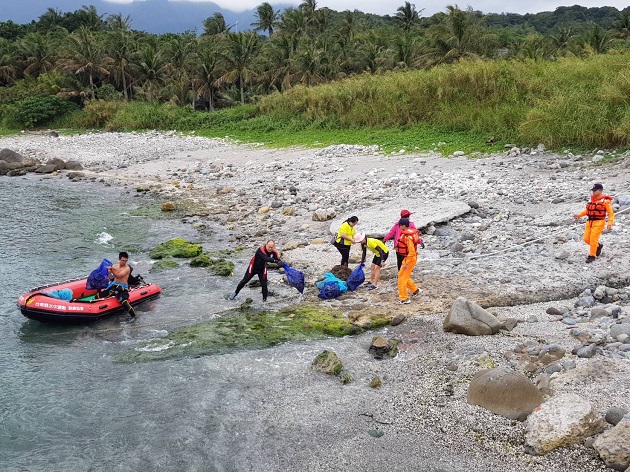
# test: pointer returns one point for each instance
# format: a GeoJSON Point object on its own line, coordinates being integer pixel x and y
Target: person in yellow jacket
{"type": "Point", "coordinates": [407, 246]}
{"type": "Point", "coordinates": [596, 209]}
{"type": "Point", "coordinates": [381, 253]}
{"type": "Point", "coordinates": [345, 238]}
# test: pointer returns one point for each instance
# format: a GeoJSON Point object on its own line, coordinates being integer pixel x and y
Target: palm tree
{"type": "Point", "coordinates": [407, 16]}
{"type": "Point", "coordinates": [597, 39]}
{"type": "Point", "coordinates": [459, 34]}
{"type": "Point", "coordinates": [117, 22]}
{"type": "Point", "coordinates": [181, 53]}
{"type": "Point", "coordinates": [121, 47]}
{"type": "Point", "coordinates": [38, 53]}
{"type": "Point", "coordinates": [8, 66]}
{"type": "Point", "coordinates": [622, 25]}
{"type": "Point", "coordinates": [85, 55]}
{"type": "Point", "coordinates": [152, 69]}
{"type": "Point", "coordinates": [206, 73]}
{"type": "Point", "coordinates": [560, 39]}
{"type": "Point", "coordinates": [215, 25]}
{"type": "Point", "coordinates": [238, 57]}
{"type": "Point", "coordinates": [267, 18]}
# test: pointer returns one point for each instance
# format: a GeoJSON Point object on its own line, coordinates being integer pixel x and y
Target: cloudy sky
{"type": "Point", "coordinates": [389, 7]}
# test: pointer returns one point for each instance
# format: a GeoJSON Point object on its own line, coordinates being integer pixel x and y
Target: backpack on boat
{"type": "Point", "coordinates": [99, 277]}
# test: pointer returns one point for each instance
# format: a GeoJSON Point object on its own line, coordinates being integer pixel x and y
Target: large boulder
{"type": "Point", "coordinates": [4, 167]}
{"type": "Point", "coordinates": [328, 363]}
{"type": "Point", "coordinates": [466, 317]}
{"type": "Point", "coordinates": [59, 164]}
{"type": "Point", "coordinates": [613, 446]}
{"type": "Point", "coordinates": [177, 247]}
{"type": "Point", "coordinates": [73, 165]}
{"type": "Point", "coordinates": [561, 421]}
{"type": "Point", "coordinates": [11, 157]}
{"type": "Point", "coordinates": [504, 392]}
{"type": "Point", "coordinates": [45, 169]}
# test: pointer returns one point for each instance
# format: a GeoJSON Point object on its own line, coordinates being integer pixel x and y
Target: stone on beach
{"type": "Point", "coordinates": [504, 392]}
{"type": "Point", "coordinates": [466, 317]}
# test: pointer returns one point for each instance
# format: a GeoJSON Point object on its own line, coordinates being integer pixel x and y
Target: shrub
{"type": "Point", "coordinates": [40, 110]}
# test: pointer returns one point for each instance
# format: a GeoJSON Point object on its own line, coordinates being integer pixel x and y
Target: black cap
{"type": "Point", "coordinates": [597, 187]}
{"type": "Point", "coordinates": [403, 222]}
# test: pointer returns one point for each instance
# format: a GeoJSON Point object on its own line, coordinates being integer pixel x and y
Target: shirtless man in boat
{"type": "Point", "coordinates": [119, 288]}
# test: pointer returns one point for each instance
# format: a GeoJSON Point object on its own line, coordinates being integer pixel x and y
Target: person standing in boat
{"type": "Point", "coordinates": [258, 266]}
{"type": "Point", "coordinates": [119, 287]}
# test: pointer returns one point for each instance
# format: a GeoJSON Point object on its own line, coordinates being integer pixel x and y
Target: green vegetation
{"type": "Point", "coordinates": [164, 264]}
{"type": "Point", "coordinates": [319, 77]}
{"type": "Point", "coordinates": [177, 247]}
{"type": "Point", "coordinates": [248, 330]}
{"type": "Point", "coordinates": [218, 266]}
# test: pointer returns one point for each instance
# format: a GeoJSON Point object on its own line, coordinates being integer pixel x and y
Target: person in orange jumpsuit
{"type": "Point", "coordinates": [407, 242]}
{"type": "Point", "coordinates": [596, 209]}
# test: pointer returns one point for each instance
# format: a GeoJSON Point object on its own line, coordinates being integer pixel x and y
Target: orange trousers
{"type": "Point", "coordinates": [404, 277]}
{"type": "Point", "coordinates": [592, 232]}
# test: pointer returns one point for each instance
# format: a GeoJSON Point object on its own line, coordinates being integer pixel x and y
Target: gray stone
{"type": "Point", "coordinates": [504, 392]}
{"type": "Point", "coordinates": [615, 414]}
{"type": "Point", "coordinates": [617, 329]}
{"type": "Point", "coordinates": [4, 167]}
{"type": "Point", "coordinates": [613, 446]}
{"type": "Point", "coordinates": [397, 319]}
{"type": "Point", "coordinates": [10, 157]}
{"type": "Point", "coordinates": [587, 352]}
{"type": "Point", "coordinates": [599, 312]}
{"type": "Point", "coordinates": [585, 301]}
{"type": "Point", "coordinates": [327, 362]}
{"type": "Point", "coordinates": [557, 311]}
{"type": "Point", "coordinates": [45, 169]}
{"type": "Point", "coordinates": [562, 420]}
{"type": "Point", "coordinates": [466, 317]}
{"type": "Point", "coordinates": [509, 324]}
{"type": "Point", "coordinates": [73, 165]}
{"type": "Point", "coordinates": [58, 163]}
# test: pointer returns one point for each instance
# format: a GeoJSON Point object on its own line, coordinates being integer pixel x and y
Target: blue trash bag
{"type": "Point", "coordinates": [329, 277]}
{"type": "Point", "coordinates": [98, 278]}
{"type": "Point", "coordinates": [294, 277]}
{"type": "Point", "coordinates": [61, 294]}
{"type": "Point", "coordinates": [329, 290]}
{"type": "Point", "coordinates": [356, 278]}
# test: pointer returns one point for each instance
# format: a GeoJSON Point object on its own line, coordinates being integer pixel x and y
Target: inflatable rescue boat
{"type": "Point", "coordinates": [82, 307]}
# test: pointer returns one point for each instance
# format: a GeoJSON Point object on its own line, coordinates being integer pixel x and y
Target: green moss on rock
{"type": "Point", "coordinates": [215, 266]}
{"type": "Point", "coordinates": [164, 265]}
{"type": "Point", "coordinates": [328, 363]}
{"type": "Point", "coordinates": [177, 247]}
{"type": "Point", "coordinates": [246, 329]}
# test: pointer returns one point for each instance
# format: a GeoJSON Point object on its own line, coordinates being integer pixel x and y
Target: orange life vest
{"type": "Point", "coordinates": [401, 247]}
{"type": "Point", "coordinates": [596, 210]}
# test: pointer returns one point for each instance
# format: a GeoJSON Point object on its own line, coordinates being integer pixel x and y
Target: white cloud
{"type": "Point", "coordinates": [431, 7]}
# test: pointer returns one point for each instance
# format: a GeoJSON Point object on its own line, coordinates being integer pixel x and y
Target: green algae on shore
{"type": "Point", "coordinates": [219, 266]}
{"type": "Point", "coordinates": [248, 330]}
{"type": "Point", "coordinates": [177, 247]}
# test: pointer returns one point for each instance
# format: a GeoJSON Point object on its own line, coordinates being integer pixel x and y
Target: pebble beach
{"type": "Point", "coordinates": [498, 230]}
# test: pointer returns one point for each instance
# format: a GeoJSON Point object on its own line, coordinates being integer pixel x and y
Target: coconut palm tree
{"type": "Point", "coordinates": [151, 71]}
{"type": "Point", "coordinates": [560, 39]}
{"type": "Point", "coordinates": [622, 25]}
{"type": "Point", "coordinates": [267, 18]}
{"type": "Point", "coordinates": [121, 47]}
{"type": "Point", "coordinates": [215, 25]}
{"type": "Point", "coordinates": [8, 66]}
{"type": "Point", "coordinates": [85, 54]}
{"type": "Point", "coordinates": [238, 56]}
{"type": "Point", "coordinates": [117, 22]}
{"type": "Point", "coordinates": [407, 16]}
{"type": "Point", "coordinates": [38, 53]}
{"type": "Point", "coordinates": [206, 73]}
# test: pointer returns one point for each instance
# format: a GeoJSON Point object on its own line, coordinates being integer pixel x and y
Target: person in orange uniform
{"type": "Point", "coordinates": [596, 209]}
{"type": "Point", "coordinates": [407, 243]}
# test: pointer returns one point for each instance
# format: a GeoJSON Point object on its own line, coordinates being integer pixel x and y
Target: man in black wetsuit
{"type": "Point", "coordinates": [258, 266]}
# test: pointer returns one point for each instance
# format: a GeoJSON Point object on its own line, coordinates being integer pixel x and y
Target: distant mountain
{"type": "Point", "coordinates": [153, 16]}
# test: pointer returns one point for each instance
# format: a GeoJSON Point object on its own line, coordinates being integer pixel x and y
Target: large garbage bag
{"type": "Point", "coordinates": [329, 290]}
{"type": "Point", "coordinates": [98, 278]}
{"type": "Point", "coordinates": [294, 277]}
{"type": "Point", "coordinates": [331, 286]}
{"type": "Point", "coordinates": [61, 294]}
{"type": "Point", "coordinates": [356, 278]}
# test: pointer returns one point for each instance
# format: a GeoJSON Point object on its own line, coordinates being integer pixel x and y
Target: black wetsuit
{"type": "Point", "coordinates": [258, 266]}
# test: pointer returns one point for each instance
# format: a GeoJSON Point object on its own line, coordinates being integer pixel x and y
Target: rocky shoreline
{"type": "Point", "coordinates": [510, 245]}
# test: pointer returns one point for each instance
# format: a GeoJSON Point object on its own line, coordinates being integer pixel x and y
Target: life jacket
{"type": "Point", "coordinates": [401, 247]}
{"type": "Point", "coordinates": [596, 210]}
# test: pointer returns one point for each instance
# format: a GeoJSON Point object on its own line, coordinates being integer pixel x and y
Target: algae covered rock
{"type": "Point", "coordinates": [328, 363]}
{"type": "Point", "coordinates": [164, 265]}
{"type": "Point", "coordinates": [177, 247]}
{"type": "Point", "coordinates": [167, 206]}
{"type": "Point", "coordinates": [215, 266]}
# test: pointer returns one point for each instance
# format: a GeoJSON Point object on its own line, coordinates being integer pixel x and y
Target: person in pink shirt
{"type": "Point", "coordinates": [395, 233]}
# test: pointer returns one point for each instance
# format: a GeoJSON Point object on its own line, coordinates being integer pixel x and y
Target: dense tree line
{"type": "Point", "coordinates": [83, 55]}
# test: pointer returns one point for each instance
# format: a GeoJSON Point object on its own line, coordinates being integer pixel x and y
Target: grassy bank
{"type": "Point", "coordinates": [567, 103]}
